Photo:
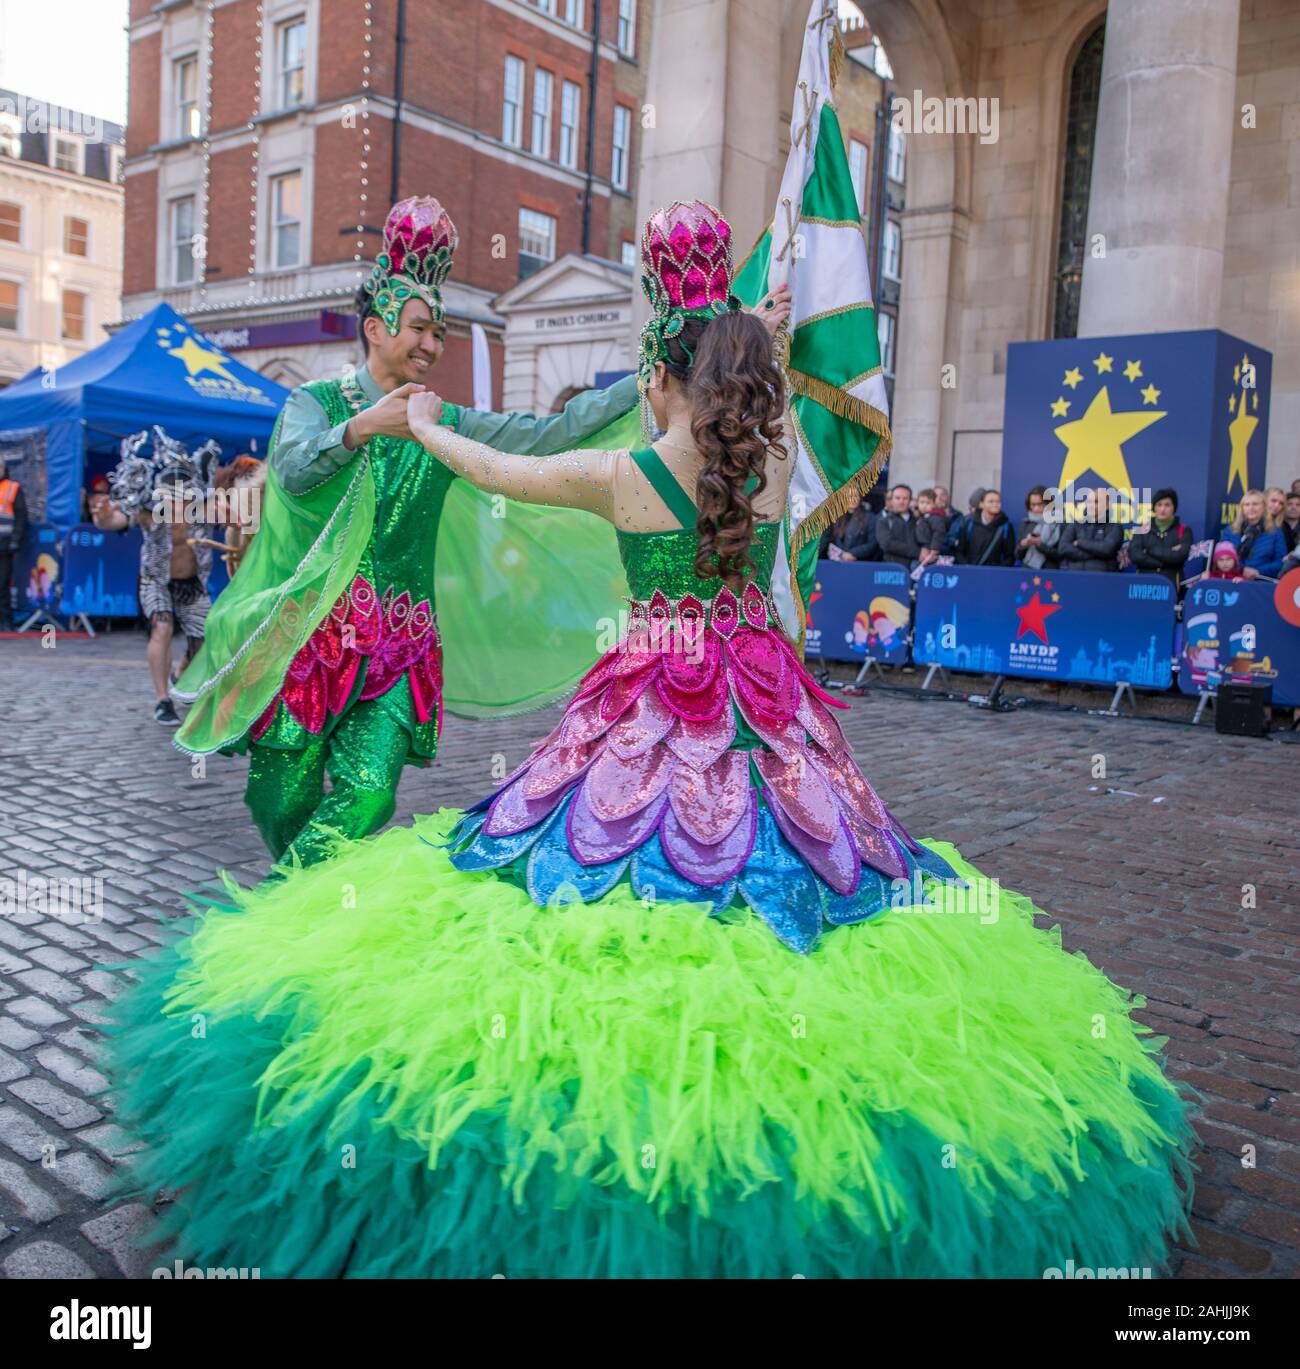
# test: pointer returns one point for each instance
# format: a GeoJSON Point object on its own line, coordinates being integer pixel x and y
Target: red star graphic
{"type": "Point", "coordinates": [1034, 616]}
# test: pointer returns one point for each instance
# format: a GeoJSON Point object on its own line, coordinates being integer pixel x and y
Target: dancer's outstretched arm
{"type": "Point", "coordinates": [583, 415]}
{"type": "Point", "coordinates": [570, 480]}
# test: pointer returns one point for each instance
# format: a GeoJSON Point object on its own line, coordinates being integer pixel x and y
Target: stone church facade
{"type": "Point", "coordinates": [1144, 177]}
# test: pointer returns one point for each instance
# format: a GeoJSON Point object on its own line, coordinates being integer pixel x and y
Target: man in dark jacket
{"type": "Point", "coordinates": [1093, 543]}
{"type": "Point", "coordinates": [987, 537]}
{"type": "Point", "coordinates": [13, 531]}
{"type": "Point", "coordinates": [896, 530]}
{"type": "Point", "coordinates": [1162, 545]}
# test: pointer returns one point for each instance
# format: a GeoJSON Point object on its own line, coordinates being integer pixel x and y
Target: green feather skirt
{"type": "Point", "coordinates": [382, 1067]}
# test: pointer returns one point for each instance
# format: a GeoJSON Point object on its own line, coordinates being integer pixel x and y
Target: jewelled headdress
{"type": "Point", "coordinates": [686, 273]}
{"type": "Point", "coordinates": [136, 478]}
{"type": "Point", "coordinates": [419, 243]}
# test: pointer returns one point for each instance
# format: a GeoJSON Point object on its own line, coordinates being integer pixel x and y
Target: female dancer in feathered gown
{"type": "Point", "coordinates": [682, 997]}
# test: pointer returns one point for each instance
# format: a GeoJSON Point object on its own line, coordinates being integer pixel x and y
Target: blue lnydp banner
{"type": "Point", "coordinates": [1243, 633]}
{"type": "Point", "coordinates": [1089, 627]}
{"type": "Point", "coordinates": [859, 610]}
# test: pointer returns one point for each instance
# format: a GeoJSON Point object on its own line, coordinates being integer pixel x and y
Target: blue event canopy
{"type": "Point", "coordinates": [158, 369]}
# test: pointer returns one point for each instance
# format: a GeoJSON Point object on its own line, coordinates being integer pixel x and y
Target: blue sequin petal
{"type": "Point", "coordinates": [781, 889]}
{"type": "Point", "coordinates": [875, 894]}
{"type": "Point", "coordinates": [487, 853]}
{"type": "Point", "coordinates": [655, 880]}
{"type": "Point", "coordinates": [554, 873]}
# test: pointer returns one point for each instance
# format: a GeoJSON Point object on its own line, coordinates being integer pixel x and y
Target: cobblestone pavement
{"type": "Point", "coordinates": [1144, 868]}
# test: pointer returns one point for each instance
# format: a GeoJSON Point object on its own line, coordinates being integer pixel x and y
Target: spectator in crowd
{"type": "Point", "coordinates": [943, 507]}
{"type": "Point", "coordinates": [852, 537]}
{"type": "Point", "coordinates": [987, 537]}
{"type": "Point", "coordinates": [1295, 487]}
{"type": "Point", "coordinates": [1039, 532]}
{"type": "Point", "coordinates": [1094, 541]}
{"type": "Point", "coordinates": [1290, 563]}
{"type": "Point", "coordinates": [931, 526]}
{"type": "Point", "coordinates": [896, 531]}
{"type": "Point", "coordinates": [1275, 502]}
{"type": "Point", "coordinates": [1289, 527]}
{"type": "Point", "coordinates": [1255, 535]}
{"type": "Point", "coordinates": [13, 532]}
{"type": "Point", "coordinates": [1164, 544]}
{"type": "Point", "coordinates": [1225, 564]}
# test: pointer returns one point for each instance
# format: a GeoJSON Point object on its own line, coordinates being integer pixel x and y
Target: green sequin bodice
{"type": "Point", "coordinates": [410, 489]}
{"type": "Point", "coordinates": [666, 561]}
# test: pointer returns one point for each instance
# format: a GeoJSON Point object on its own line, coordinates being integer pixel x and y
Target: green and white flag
{"type": "Point", "coordinates": [836, 391]}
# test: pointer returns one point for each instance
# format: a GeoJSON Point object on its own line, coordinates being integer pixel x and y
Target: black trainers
{"type": "Point", "coordinates": [165, 713]}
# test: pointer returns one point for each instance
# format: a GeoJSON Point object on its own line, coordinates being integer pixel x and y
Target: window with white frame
{"type": "Point", "coordinates": [74, 316]}
{"type": "Point", "coordinates": [546, 6]}
{"type": "Point", "coordinates": [11, 222]}
{"type": "Point", "coordinates": [181, 238]}
{"type": "Point", "coordinates": [627, 27]}
{"type": "Point", "coordinates": [10, 299]}
{"type": "Point", "coordinates": [76, 237]}
{"type": "Point", "coordinates": [286, 219]}
{"type": "Point", "coordinates": [185, 91]}
{"type": "Point", "coordinates": [570, 114]}
{"type": "Point", "coordinates": [512, 104]}
{"type": "Point", "coordinates": [536, 241]}
{"type": "Point", "coordinates": [885, 332]}
{"type": "Point", "coordinates": [629, 255]}
{"type": "Point", "coordinates": [622, 147]}
{"type": "Point", "coordinates": [897, 154]}
{"type": "Point", "coordinates": [573, 13]}
{"type": "Point", "coordinates": [291, 61]}
{"type": "Point", "coordinates": [116, 164]}
{"type": "Point", "coordinates": [543, 91]}
{"type": "Point", "coordinates": [892, 251]}
{"type": "Point", "coordinates": [11, 135]}
{"type": "Point", "coordinates": [66, 153]}
{"type": "Point", "coordinates": [858, 171]}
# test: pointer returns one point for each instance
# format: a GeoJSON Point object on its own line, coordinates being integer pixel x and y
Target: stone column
{"type": "Point", "coordinates": [1161, 170]}
{"type": "Point", "coordinates": [714, 89]}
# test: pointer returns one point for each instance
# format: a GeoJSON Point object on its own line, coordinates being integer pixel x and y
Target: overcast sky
{"type": "Point", "coordinates": [69, 52]}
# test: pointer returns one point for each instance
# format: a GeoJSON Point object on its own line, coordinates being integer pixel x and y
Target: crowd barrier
{"type": "Point", "coordinates": [85, 572]}
{"type": "Point", "coordinates": [1081, 627]}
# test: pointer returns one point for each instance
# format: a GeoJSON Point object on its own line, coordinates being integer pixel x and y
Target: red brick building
{"type": "Point", "coordinates": [266, 140]}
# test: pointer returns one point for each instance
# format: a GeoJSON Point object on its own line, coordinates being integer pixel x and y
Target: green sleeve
{"type": "Point", "coordinates": [307, 450]}
{"type": "Point", "coordinates": [527, 435]}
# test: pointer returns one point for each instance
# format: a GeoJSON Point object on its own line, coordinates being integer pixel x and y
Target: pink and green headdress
{"type": "Point", "coordinates": [686, 273]}
{"type": "Point", "coordinates": [419, 243]}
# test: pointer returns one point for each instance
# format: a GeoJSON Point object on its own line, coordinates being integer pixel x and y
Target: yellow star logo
{"type": "Point", "coordinates": [1102, 362]}
{"type": "Point", "coordinates": [198, 358]}
{"type": "Point", "coordinates": [1095, 442]}
{"type": "Point", "coordinates": [1150, 395]}
{"type": "Point", "coordinates": [1072, 377]}
{"type": "Point", "coordinates": [1241, 430]}
{"type": "Point", "coordinates": [1060, 408]}
{"type": "Point", "coordinates": [1133, 371]}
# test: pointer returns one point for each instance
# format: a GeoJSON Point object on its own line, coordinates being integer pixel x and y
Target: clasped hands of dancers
{"type": "Point", "coordinates": [682, 997]}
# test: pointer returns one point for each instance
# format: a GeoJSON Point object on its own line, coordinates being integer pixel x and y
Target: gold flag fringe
{"type": "Point", "coordinates": [840, 403]}
{"type": "Point", "coordinates": [837, 56]}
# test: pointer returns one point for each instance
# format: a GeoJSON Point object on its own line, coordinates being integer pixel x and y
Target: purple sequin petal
{"type": "Point", "coordinates": [708, 805]}
{"type": "Point", "coordinates": [583, 722]}
{"type": "Point", "coordinates": [802, 793]}
{"type": "Point", "coordinates": [818, 723]}
{"type": "Point", "coordinates": [511, 812]}
{"type": "Point", "coordinates": [594, 841]}
{"type": "Point", "coordinates": [559, 766]}
{"type": "Point", "coordinates": [615, 789]}
{"type": "Point", "coordinates": [841, 771]}
{"type": "Point", "coordinates": [645, 724]}
{"type": "Point", "coordinates": [702, 705]}
{"type": "Point", "coordinates": [700, 744]}
{"type": "Point", "coordinates": [874, 846]}
{"type": "Point", "coordinates": [785, 738]}
{"type": "Point", "coordinates": [836, 861]}
{"type": "Point", "coordinates": [710, 865]}
{"type": "Point", "coordinates": [624, 692]}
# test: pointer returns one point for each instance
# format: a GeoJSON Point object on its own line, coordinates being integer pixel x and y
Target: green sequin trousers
{"type": "Point", "coordinates": [363, 757]}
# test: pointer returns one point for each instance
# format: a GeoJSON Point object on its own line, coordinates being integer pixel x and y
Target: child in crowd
{"type": "Point", "coordinates": [1225, 564]}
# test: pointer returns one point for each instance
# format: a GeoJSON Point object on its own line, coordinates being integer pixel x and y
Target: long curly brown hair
{"type": "Point", "coordinates": [738, 396]}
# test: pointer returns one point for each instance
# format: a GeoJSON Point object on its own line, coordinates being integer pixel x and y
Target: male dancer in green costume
{"type": "Point", "coordinates": [323, 656]}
